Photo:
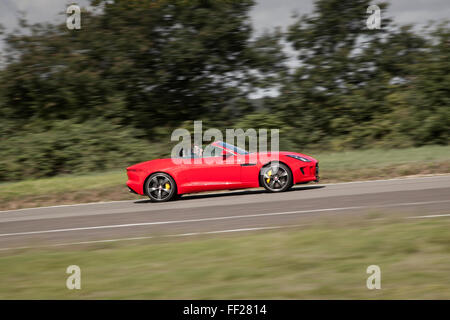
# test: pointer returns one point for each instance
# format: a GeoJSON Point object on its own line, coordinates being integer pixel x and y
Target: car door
{"type": "Point", "coordinates": [222, 171]}
{"type": "Point", "coordinates": [249, 170]}
{"type": "Point", "coordinates": [212, 172]}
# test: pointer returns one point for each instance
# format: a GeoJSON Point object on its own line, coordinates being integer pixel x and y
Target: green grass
{"type": "Point", "coordinates": [63, 184]}
{"type": "Point", "coordinates": [322, 261]}
{"type": "Point", "coordinates": [376, 158]}
{"type": "Point", "coordinates": [342, 166]}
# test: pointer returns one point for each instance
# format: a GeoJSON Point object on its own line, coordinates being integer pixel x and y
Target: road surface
{"type": "Point", "coordinates": [234, 211]}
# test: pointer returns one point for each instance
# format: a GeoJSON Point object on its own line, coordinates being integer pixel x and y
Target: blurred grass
{"type": "Point", "coordinates": [339, 166]}
{"type": "Point", "coordinates": [377, 158]}
{"type": "Point", "coordinates": [63, 184]}
{"type": "Point", "coordinates": [322, 261]}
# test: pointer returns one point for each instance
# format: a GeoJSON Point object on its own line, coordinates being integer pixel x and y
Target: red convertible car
{"type": "Point", "coordinates": [225, 167]}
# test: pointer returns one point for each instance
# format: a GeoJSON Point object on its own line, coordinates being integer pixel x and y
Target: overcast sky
{"type": "Point", "coordinates": [271, 13]}
{"type": "Point", "coordinates": [265, 15]}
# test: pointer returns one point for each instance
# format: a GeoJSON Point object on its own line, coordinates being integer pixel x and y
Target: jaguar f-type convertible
{"type": "Point", "coordinates": [225, 167]}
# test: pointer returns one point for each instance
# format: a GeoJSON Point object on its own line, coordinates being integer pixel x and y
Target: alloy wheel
{"type": "Point", "coordinates": [276, 177]}
{"type": "Point", "coordinates": [160, 187]}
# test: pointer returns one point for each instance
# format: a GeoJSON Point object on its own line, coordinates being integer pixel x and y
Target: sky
{"type": "Point", "coordinates": [266, 14]}
{"type": "Point", "coordinates": [271, 13]}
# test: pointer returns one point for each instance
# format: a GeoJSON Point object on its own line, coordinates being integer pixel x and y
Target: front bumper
{"type": "Point", "coordinates": [135, 181]}
{"type": "Point", "coordinates": [307, 172]}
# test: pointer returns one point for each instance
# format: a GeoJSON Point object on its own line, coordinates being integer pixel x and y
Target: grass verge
{"type": "Point", "coordinates": [322, 261]}
{"type": "Point", "coordinates": [342, 166]}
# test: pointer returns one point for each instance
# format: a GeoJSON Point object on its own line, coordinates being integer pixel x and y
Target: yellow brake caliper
{"type": "Point", "coordinates": [269, 173]}
{"type": "Point", "coordinates": [167, 186]}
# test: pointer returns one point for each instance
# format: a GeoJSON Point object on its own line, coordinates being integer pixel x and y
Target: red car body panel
{"type": "Point", "coordinates": [238, 171]}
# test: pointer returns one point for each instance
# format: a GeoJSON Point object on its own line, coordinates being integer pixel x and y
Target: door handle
{"type": "Point", "coordinates": [248, 164]}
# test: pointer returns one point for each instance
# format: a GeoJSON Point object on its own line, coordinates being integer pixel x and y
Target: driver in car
{"type": "Point", "coordinates": [197, 151]}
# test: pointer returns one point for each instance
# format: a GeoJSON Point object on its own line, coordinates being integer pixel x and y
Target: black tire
{"type": "Point", "coordinates": [160, 187]}
{"type": "Point", "coordinates": [276, 177]}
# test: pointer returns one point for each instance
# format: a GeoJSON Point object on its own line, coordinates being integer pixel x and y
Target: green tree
{"type": "Point", "coordinates": [144, 63]}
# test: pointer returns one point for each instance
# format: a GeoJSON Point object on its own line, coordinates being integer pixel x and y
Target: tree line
{"type": "Point", "coordinates": [111, 93]}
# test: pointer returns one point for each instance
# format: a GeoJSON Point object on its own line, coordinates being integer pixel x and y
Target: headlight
{"type": "Point", "coordinates": [299, 158]}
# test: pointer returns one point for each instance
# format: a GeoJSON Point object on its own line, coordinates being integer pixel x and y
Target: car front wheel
{"type": "Point", "coordinates": [276, 177]}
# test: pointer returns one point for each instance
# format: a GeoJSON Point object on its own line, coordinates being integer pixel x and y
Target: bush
{"type": "Point", "coordinates": [72, 148]}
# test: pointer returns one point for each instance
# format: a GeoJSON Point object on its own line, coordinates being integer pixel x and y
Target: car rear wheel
{"type": "Point", "coordinates": [276, 177]}
{"type": "Point", "coordinates": [160, 187]}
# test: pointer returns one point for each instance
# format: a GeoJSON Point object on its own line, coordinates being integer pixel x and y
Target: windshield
{"type": "Point", "coordinates": [232, 148]}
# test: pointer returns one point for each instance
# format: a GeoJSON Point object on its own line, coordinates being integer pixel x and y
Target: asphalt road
{"type": "Point", "coordinates": [234, 211]}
